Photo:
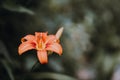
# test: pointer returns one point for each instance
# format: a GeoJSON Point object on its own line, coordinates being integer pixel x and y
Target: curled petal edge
{"type": "Point", "coordinates": [28, 38]}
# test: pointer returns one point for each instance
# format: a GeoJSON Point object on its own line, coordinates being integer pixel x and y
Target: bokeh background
{"type": "Point", "coordinates": [91, 38]}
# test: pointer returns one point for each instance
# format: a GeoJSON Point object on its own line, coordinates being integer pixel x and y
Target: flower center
{"type": "Point", "coordinates": [40, 46]}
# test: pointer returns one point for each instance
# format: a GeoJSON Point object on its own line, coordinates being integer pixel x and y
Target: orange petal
{"type": "Point", "coordinates": [44, 36]}
{"type": "Point", "coordinates": [25, 46]}
{"type": "Point", "coordinates": [51, 39]}
{"type": "Point", "coordinates": [55, 47]}
{"type": "Point", "coordinates": [28, 38]}
{"type": "Point", "coordinates": [41, 34]}
{"type": "Point", "coordinates": [40, 37]}
{"type": "Point", "coordinates": [42, 56]}
{"type": "Point", "coordinates": [59, 33]}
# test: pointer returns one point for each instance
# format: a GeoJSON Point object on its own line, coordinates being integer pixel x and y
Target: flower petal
{"type": "Point", "coordinates": [59, 33]}
{"type": "Point", "coordinates": [41, 35]}
{"type": "Point", "coordinates": [50, 39]}
{"type": "Point", "coordinates": [44, 36]}
{"type": "Point", "coordinates": [28, 38]}
{"type": "Point", "coordinates": [55, 47]}
{"type": "Point", "coordinates": [25, 46]}
{"type": "Point", "coordinates": [42, 56]}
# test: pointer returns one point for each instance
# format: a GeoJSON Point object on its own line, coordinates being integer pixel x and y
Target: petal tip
{"type": "Point", "coordinates": [19, 52]}
{"type": "Point", "coordinates": [60, 53]}
{"type": "Point", "coordinates": [42, 57]}
{"type": "Point", "coordinates": [44, 62]}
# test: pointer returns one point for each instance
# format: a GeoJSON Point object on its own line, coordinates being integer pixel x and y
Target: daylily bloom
{"type": "Point", "coordinates": [43, 43]}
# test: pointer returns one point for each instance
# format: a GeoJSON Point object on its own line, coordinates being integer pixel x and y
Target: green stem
{"type": "Point", "coordinates": [34, 66]}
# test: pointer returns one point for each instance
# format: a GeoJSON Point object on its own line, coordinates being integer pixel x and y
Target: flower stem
{"type": "Point", "coordinates": [34, 66]}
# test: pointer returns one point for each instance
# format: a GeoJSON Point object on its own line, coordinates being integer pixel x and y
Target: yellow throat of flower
{"type": "Point", "coordinates": [40, 45]}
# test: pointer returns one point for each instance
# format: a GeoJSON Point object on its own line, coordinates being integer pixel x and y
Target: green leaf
{"type": "Point", "coordinates": [12, 6]}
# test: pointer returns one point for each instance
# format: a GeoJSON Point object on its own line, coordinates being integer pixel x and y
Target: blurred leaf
{"type": "Point", "coordinates": [8, 69]}
{"type": "Point", "coordinates": [108, 63]}
{"type": "Point", "coordinates": [48, 75]}
{"type": "Point", "coordinates": [4, 52]}
{"type": "Point", "coordinates": [12, 6]}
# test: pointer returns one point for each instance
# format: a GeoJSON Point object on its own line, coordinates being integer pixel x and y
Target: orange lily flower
{"type": "Point", "coordinates": [43, 43]}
